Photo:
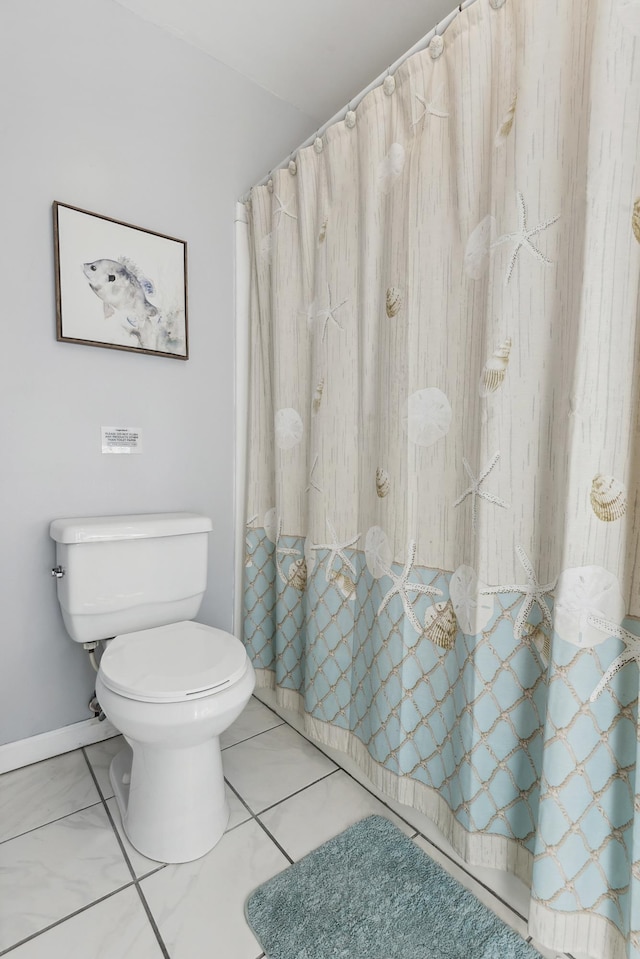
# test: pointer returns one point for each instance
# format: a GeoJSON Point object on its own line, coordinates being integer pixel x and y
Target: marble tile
{"type": "Point", "coordinates": [254, 719]}
{"type": "Point", "coordinates": [273, 765]}
{"type": "Point", "coordinates": [321, 811]}
{"type": "Point", "coordinates": [199, 906]}
{"type": "Point", "coordinates": [115, 928]}
{"type": "Point", "coordinates": [100, 756]}
{"type": "Point", "coordinates": [479, 891]}
{"type": "Point", "coordinates": [238, 813]}
{"type": "Point", "coordinates": [52, 871]}
{"type": "Point", "coordinates": [139, 863]}
{"type": "Point", "coordinates": [38, 794]}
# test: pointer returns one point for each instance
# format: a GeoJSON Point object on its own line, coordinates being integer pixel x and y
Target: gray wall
{"type": "Point", "coordinates": [103, 111]}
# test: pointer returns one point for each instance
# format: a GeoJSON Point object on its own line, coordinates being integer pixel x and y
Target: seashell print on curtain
{"type": "Point", "coordinates": [442, 557]}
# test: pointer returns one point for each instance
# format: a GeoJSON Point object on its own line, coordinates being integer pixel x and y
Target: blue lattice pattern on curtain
{"type": "Point", "coordinates": [586, 848]}
{"type": "Point", "coordinates": [468, 721]}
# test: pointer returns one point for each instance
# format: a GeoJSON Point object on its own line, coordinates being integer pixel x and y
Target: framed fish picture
{"type": "Point", "coordinates": [119, 286]}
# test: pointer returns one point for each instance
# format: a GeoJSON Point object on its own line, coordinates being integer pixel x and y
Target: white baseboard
{"type": "Point", "coordinates": [57, 741]}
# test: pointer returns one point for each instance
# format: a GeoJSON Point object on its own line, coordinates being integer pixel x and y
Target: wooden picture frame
{"type": "Point", "coordinates": [119, 286]}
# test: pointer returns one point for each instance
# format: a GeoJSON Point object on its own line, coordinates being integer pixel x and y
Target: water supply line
{"type": "Point", "coordinates": [94, 705]}
{"type": "Point", "coordinates": [58, 573]}
{"type": "Point", "coordinates": [91, 649]}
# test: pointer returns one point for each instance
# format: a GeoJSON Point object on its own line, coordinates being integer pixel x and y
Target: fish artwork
{"type": "Point", "coordinates": [122, 289]}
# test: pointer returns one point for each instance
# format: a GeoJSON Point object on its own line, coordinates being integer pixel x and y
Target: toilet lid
{"type": "Point", "coordinates": [172, 663]}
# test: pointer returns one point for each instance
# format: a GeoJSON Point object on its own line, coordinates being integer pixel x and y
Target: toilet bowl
{"type": "Point", "coordinates": [171, 691]}
{"type": "Point", "coordinates": [170, 685]}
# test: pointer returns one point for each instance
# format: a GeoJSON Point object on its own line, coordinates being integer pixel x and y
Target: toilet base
{"type": "Point", "coordinates": [172, 801]}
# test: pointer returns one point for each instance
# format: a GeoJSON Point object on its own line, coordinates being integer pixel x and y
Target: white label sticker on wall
{"type": "Point", "coordinates": [121, 439]}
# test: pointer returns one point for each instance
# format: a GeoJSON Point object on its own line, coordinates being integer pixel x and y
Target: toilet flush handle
{"type": "Point", "coordinates": [58, 572]}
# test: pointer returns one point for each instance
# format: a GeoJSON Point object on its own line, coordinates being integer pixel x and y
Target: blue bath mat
{"type": "Point", "coordinates": [371, 893]}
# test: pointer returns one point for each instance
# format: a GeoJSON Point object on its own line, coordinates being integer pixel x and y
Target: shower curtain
{"type": "Point", "coordinates": [442, 568]}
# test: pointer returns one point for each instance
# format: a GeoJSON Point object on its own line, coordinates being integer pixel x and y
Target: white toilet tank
{"type": "Point", "coordinates": [125, 573]}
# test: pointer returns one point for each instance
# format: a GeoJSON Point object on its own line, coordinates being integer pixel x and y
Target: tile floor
{"type": "Point", "coordinates": [73, 886]}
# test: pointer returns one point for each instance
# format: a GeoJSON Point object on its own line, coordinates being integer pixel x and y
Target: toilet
{"type": "Point", "coordinates": [171, 686]}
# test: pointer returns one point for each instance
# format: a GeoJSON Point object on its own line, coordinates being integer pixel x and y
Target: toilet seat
{"type": "Point", "coordinates": [173, 663]}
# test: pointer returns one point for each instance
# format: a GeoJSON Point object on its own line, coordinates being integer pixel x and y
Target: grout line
{"type": "Point", "coordinates": [136, 882]}
{"type": "Point", "coordinates": [253, 736]}
{"type": "Point", "coordinates": [338, 768]}
{"type": "Point", "coordinates": [274, 841]}
{"type": "Point", "coordinates": [154, 926]}
{"type": "Point", "coordinates": [70, 915]}
{"type": "Point", "coordinates": [50, 822]}
{"type": "Point", "coordinates": [237, 794]}
{"type": "Point", "coordinates": [254, 817]}
{"type": "Point", "coordinates": [110, 818]}
{"type": "Point", "coordinates": [237, 825]}
{"type": "Point", "coordinates": [152, 872]}
{"type": "Point", "coordinates": [298, 791]}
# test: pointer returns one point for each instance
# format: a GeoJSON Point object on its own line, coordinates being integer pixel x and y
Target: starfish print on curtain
{"type": "Point", "coordinates": [630, 653]}
{"type": "Point", "coordinates": [474, 490]}
{"type": "Point", "coordinates": [336, 550]}
{"type": "Point", "coordinates": [283, 209]}
{"type": "Point", "coordinates": [329, 313]}
{"type": "Point", "coordinates": [401, 587]}
{"type": "Point", "coordinates": [312, 483]}
{"type": "Point", "coordinates": [523, 238]}
{"type": "Point", "coordinates": [533, 595]}
{"type": "Point", "coordinates": [286, 551]}
{"type": "Point", "coordinates": [429, 107]}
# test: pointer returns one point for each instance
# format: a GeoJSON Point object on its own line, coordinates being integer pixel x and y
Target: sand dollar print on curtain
{"type": "Point", "coordinates": [443, 569]}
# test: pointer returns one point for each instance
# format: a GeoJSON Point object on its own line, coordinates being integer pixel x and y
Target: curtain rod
{"type": "Point", "coordinates": [422, 44]}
